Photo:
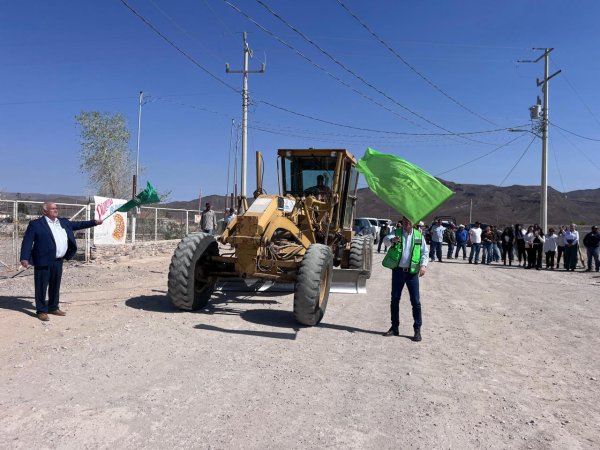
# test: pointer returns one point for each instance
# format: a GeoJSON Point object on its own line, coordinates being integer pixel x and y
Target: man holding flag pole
{"type": "Point", "coordinates": [414, 193]}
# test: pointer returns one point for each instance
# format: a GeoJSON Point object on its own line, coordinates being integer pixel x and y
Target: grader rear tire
{"type": "Point", "coordinates": [361, 254]}
{"type": "Point", "coordinates": [189, 287]}
{"type": "Point", "coordinates": [311, 291]}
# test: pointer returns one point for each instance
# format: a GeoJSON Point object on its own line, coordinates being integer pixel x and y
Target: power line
{"type": "Point", "coordinates": [592, 162]}
{"type": "Point", "coordinates": [479, 157]}
{"type": "Point", "coordinates": [518, 161]}
{"type": "Point", "coordinates": [281, 108]}
{"type": "Point", "coordinates": [318, 66]}
{"type": "Point", "coordinates": [410, 66]}
{"type": "Point", "coordinates": [183, 52]}
{"type": "Point", "coordinates": [67, 100]}
{"type": "Point", "coordinates": [183, 30]}
{"type": "Point", "coordinates": [579, 96]}
{"type": "Point", "coordinates": [349, 71]}
{"type": "Point", "coordinates": [575, 134]}
{"type": "Point", "coordinates": [562, 183]}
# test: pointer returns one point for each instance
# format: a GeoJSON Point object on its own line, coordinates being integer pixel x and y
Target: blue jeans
{"type": "Point", "coordinates": [450, 249]}
{"type": "Point", "coordinates": [488, 252]}
{"type": "Point", "coordinates": [436, 250]}
{"type": "Point", "coordinates": [593, 253]}
{"type": "Point", "coordinates": [459, 246]}
{"type": "Point", "coordinates": [47, 279]}
{"type": "Point", "coordinates": [475, 248]}
{"type": "Point", "coordinates": [497, 254]}
{"type": "Point", "coordinates": [399, 279]}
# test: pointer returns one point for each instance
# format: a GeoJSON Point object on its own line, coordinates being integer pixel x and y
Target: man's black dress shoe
{"type": "Point", "coordinates": [392, 332]}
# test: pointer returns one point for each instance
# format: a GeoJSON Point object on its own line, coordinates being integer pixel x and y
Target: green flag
{"type": "Point", "coordinates": [145, 197]}
{"type": "Point", "coordinates": [405, 187]}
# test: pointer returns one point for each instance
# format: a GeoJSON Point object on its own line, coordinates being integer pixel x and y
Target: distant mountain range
{"type": "Point", "coordinates": [485, 203]}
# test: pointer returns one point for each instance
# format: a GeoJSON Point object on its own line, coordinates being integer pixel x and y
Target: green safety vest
{"type": "Point", "coordinates": [394, 254]}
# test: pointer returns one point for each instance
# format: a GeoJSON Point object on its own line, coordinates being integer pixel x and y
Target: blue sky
{"type": "Point", "coordinates": [66, 56]}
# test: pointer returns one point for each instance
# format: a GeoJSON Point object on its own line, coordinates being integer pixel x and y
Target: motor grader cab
{"type": "Point", "coordinates": [298, 236]}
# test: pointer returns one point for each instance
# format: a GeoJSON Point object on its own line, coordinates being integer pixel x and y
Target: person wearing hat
{"type": "Point", "coordinates": [450, 238]}
{"type": "Point", "coordinates": [208, 221]}
{"type": "Point", "coordinates": [592, 244]}
{"type": "Point", "coordinates": [461, 241]}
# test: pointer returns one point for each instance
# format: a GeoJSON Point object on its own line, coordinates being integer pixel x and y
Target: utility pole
{"type": "Point", "coordinates": [544, 183]}
{"type": "Point", "coordinates": [229, 166]}
{"type": "Point", "coordinates": [137, 168]}
{"type": "Point", "coordinates": [245, 72]}
{"type": "Point", "coordinates": [471, 212]}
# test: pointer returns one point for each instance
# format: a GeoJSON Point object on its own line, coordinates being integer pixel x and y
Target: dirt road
{"type": "Point", "coordinates": [509, 359]}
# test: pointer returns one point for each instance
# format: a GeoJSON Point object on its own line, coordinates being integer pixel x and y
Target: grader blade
{"type": "Point", "coordinates": [345, 281]}
{"type": "Point", "coordinates": [349, 281]}
{"type": "Point", "coordinates": [253, 285]}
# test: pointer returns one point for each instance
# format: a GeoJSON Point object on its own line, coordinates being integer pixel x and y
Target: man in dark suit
{"type": "Point", "coordinates": [47, 242]}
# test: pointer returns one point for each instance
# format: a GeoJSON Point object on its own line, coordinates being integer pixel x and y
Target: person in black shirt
{"type": "Point", "coordinates": [592, 244]}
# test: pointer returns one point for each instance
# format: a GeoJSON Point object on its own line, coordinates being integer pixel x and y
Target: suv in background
{"type": "Point", "coordinates": [363, 227]}
{"type": "Point", "coordinates": [375, 224]}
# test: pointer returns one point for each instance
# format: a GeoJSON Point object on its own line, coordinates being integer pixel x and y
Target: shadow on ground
{"type": "Point", "coordinates": [19, 304]}
{"type": "Point", "coordinates": [233, 303]}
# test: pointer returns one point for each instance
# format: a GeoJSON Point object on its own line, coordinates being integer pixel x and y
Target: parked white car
{"type": "Point", "coordinates": [363, 227]}
{"type": "Point", "coordinates": [375, 224]}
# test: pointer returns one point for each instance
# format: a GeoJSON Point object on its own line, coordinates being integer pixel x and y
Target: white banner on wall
{"type": "Point", "coordinates": [114, 229]}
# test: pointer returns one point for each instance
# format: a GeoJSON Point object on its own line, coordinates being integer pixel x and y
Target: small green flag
{"type": "Point", "coordinates": [405, 187]}
{"type": "Point", "coordinates": [145, 197]}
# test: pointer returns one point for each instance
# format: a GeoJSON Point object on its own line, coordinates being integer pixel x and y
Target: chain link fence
{"type": "Point", "coordinates": [149, 224]}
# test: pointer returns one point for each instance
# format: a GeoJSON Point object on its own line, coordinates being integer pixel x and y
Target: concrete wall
{"type": "Point", "coordinates": [137, 250]}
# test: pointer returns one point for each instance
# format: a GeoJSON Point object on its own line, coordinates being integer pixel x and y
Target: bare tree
{"type": "Point", "coordinates": [105, 156]}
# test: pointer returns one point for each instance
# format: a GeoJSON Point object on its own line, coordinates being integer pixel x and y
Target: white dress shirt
{"type": "Point", "coordinates": [60, 237]}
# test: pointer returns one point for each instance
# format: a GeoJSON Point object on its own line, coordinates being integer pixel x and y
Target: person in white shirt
{"type": "Point", "coordinates": [47, 242]}
{"type": "Point", "coordinates": [411, 266]}
{"type": "Point", "coordinates": [550, 247]}
{"type": "Point", "coordinates": [437, 237]}
{"type": "Point", "coordinates": [475, 238]}
{"type": "Point", "coordinates": [571, 247]}
{"type": "Point", "coordinates": [230, 216]}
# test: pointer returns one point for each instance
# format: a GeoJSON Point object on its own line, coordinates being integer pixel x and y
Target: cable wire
{"type": "Point", "coordinates": [518, 161]}
{"type": "Point", "coordinates": [281, 108]}
{"type": "Point", "coordinates": [318, 66]}
{"type": "Point", "coordinates": [592, 162]}
{"type": "Point", "coordinates": [349, 71]}
{"type": "Point", "coordinates": [574, 134]}
{"type": "Point", "coordinates": [564, 76]}
{"type": "Point", "coordinates": [410, 66]}
{"type": "Point", "coordinates": [176, 47]}
{"type": "Point", "coordinates": [479, 157]}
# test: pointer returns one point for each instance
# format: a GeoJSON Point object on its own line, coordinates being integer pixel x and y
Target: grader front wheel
{"type": "Point", "coordinates": [361, 254]}
{"type": "Point", "coordinates": [312, 285]}
{"type": "Point", "coordinates": [189, 286]}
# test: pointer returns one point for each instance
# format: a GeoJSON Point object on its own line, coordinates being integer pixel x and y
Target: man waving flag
{"type": "Point", "coordinates": [405, 187]}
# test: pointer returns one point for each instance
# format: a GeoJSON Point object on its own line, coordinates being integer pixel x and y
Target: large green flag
{"type": "Point", "coordinates": [145, 197]}
{"type": "Point", "coordinates": [405, 187]}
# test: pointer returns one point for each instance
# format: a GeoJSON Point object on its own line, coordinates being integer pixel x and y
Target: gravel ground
{"type": "Point", "coordinates": [509, 359]}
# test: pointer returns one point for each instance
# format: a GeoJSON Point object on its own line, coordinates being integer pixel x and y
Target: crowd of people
{"type": "Point", "coordinates": [529, 247]}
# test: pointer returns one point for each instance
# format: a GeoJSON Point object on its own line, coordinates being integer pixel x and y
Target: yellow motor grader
{"type": "Point", "coordinates": [298, 236]}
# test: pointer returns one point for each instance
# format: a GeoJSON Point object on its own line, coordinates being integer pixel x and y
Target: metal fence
{"type": "Point", "coordinates": [150, 224]}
